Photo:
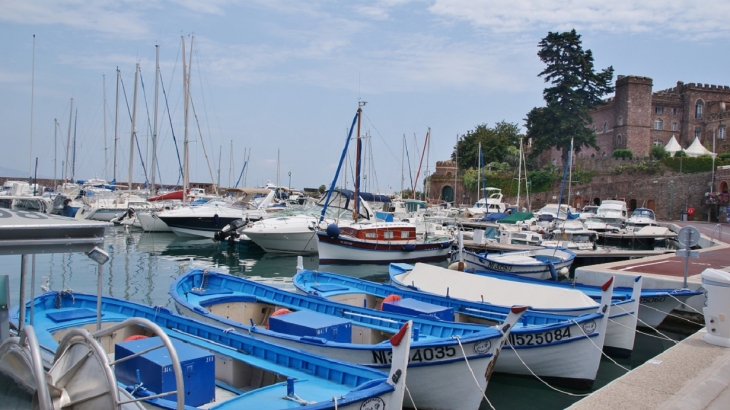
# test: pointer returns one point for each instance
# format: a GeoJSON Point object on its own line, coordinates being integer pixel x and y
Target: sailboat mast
{"type": "Point", "coordinates": [106, 153]}
{"type": "Point", "coordinates": [479, 174]}
{"type": "Point", "coordinates": [519, 176]}
{"type": "Point", "coordinates": [153, 179]}
{"type": "Point", "coordinates": [68, 139]}
{"type": "Point", "coordinates": [32, 93]}
{"type": "Point", "coordinates": [570, 171]}
{"type": "Point", "coordinates": [55, 153]}
{"type": "Point", "coordinates": [356, 209]}
{"type": "Point", "coordinates": [402, 164]}
{"type": "Point", "coordinates": [427, 189]}
{"type": "Point", "coordinates": [186, 176]}
{"type": "Point", "coordinates": [132, 134]}
{"type": "Point", "coordinates": [456, 172]}
{"type": "Point", "coordinates": [73, 162]}
{"type": "Point", "coordinates": [116, 130]}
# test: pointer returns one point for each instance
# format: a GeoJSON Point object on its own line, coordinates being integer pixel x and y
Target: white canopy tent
{"type": "Point", "coordinates": [696, 149]}
{"type": "Point", "coordinates": [673, 146]}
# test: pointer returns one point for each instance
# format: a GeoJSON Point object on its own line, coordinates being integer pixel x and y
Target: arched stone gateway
{"type": "Point", "coordinates": [578, 203]}
{"type": "Point", "coordinates": [632, 205]}
{"type": "Point", "coordinates": [447, 194]}
{"type": "Point", "coordinates": [597, 201]}
{"type": "Point", "coordinates": [651, 205]}
{"type": "Point", "coordinates": [723, 187]}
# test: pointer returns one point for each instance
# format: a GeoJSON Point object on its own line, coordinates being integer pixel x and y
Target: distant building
{"type": "Point", "coordinates": [637, 118]}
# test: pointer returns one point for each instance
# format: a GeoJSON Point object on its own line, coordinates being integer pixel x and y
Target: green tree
{"type": "Point", "coordinates": [658, 152]}
{"type": "Point", "coordinates": [576, 88]}
{"type": "Point", "coordinates": [495, 143]}
{"type": "Point", "coordinates": [322, 189]}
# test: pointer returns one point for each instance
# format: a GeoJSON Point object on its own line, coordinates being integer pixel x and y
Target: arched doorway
{"type": "Point", "coordinates": [723, 187]}
{"type": "Point", "coordinates": [651, 205]}
{"type": "Point", "coordinates": [632, 205]}
{"type": "Point", "coordinates": [447, 194]}
{"type": "Point", "coordinates": [578, 203]}
{"type": "Point", "coordinates": [597, 201]}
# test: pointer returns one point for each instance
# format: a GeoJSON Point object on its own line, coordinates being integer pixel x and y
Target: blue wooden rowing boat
{"type": "Point", "coordinates": [442, 352]}
{"type": "Point", "coordinates": [560, 348]}
{"type": "Point", "coordinates": [215, 368]}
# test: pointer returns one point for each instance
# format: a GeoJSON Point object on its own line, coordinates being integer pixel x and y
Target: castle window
{"type": "Point", "coordinates": [605, 127]}
{"type": "Point", "coordinates": [620, 121]}
{"type": "Point", "coordinates": [698, 132]}
{"type": "Point", "coordinates": [674, 126]}
{"type": "Point", "coordinates": [658, 110]}
{"type": "Point", "coordinates": [618, 141]}
{"type": "Point", "coordinates": [674, 111]}
{"type": "Point", "coordinates": [658, 143]}
{"type": "Point", "coordinates": [658, 124]}
{"type": "Point", "coordinates": [594, 127]}
{"type": "Point", "coordinates": [721, 132]}
{"type": "Point", "coordinates": [698, 109]}
{"type": "Point", "coordinates": [604, 154]}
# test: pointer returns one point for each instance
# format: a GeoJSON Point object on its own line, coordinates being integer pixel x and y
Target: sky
{"type": "Point", "coordinates": [279, 81]}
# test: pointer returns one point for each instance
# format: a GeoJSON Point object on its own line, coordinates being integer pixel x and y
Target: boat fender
{"type": "Point", "coordinates": [388, 299]}
{"type": "Point", "coordinates": [278, 312]}
{"type": "Point", "coordinates": [333, 231]}
{"type": "Point", "coordinates": [216, 219]}
{"type": "Point", "coordinates": [134, 337]}
{"type": "Point", "coordinates": [457, 266]}
{"type": "Point", "coordinates": [563, 271]}
{"type": "Point", "coordinates": [409, 247]}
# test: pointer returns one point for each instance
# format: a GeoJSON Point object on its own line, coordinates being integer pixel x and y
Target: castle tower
{"type": "Point", "coordinates": [633, 114]}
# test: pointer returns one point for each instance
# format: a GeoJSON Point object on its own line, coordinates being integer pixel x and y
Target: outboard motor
{"type": "Point", "coordinates": [230, 231]}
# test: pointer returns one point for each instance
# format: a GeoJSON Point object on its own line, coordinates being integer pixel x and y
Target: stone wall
{"type": "Point", "coordinates": [668, 195]}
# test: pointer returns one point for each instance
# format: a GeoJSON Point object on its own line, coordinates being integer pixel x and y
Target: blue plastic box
{"type": "Point", "coordinates": [313, 324]}
{"type": "Point", "coordinates": [155, 369]}
{"type": "Point", "coordinates": [413, 307]}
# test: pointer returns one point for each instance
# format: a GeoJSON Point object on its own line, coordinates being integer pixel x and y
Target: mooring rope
{"type": "Point", "coordinates": [538, 377]}
{"type": "Point", "coordinates": [643, 333]}
{"type": "Point", "coordinates": [683, 303]}
{"type": "Point", "coordinates": [646, 324]}
{"type": "Point", "coordinates": [410, 397]}
{"type": "Point", "coordinates": [599, 348]}
{"type": "Point", "coordinates": [672, 315]}
{"type": "Point", "coordinates": [458, 340]}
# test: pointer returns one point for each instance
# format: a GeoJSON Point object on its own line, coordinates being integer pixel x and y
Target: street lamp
{"type": "Point", "coordinates": [289, 182]}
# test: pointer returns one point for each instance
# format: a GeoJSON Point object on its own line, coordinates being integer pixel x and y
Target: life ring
{"type": "Point", "coordinates": [278, 312]}
{"type": "Point", "coordinates": [690, 211]}
{"type": "Point", "coordinates": [135, 337]}
{"type": "Point", "coordinates": [389, 298]}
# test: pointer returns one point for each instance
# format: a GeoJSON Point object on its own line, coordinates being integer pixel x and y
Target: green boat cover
{"type": "Point", "coordinates": [516, 217]}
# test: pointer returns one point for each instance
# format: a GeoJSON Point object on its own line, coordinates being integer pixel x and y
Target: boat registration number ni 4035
{"type": "Point", "coordinates": [426, 354]}
{"type": "Point", "coordinates": [534, 339]}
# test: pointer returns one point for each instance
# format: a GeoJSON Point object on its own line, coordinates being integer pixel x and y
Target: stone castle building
{"type": "Point", "coordinates": [637, 118]}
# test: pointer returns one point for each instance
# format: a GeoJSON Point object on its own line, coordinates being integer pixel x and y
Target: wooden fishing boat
{"type": "Point", "coordinates": [564, 350]}
{"type": "Point", "coordinates": [215, 368]}
{"type": "Point", "coordinates": [544, 263]}
{"type": "Point", "coordinates": [441, 352]}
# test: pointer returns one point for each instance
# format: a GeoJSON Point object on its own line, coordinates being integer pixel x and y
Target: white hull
{"type": "Point", "coordinates": [654, 310]}
{"type": "Point", "coordinates": [149, 222]}
{"type": "Point", "coordinates": [294, 242]}
{"type": "Point", "coordinates": [99, 214]}
{"type": "Point", "coordinates": [335, 253]}
{"type": "Point", "coordinates": [577, 359]}
{"type": "Point", "coordinates": [192, 233]}
{"type": "Point", "coordinates": [533, 270]}
{"type": "Point", "coordinates": [456, 388]}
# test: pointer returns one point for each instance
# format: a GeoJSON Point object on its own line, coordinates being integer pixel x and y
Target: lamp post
{"type": "Point", "coordinates": [289, 182]}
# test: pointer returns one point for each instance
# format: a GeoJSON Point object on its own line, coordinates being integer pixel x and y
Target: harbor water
{"type": "Point", "coordinates": [143, 265]}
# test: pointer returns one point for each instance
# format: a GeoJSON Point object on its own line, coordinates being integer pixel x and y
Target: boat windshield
{"type": "Point", "coordinates": [646, 213]}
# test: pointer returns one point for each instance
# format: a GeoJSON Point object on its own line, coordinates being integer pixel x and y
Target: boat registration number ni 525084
{"type": "Point", "coordinates": [533, 339]}
{"type": "Point", "coordinates": [426, 354]}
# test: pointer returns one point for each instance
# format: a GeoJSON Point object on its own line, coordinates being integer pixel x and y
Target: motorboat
{"type": "Point", "coordinates": [640, 218]}
{"type": "Point", "coordinates": [207, 219]}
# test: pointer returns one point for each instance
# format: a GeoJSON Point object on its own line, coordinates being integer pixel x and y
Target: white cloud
{"type": "Point", "coordinates": [114, 18]}
{"type": "Point", "coordinates": [677, 17]}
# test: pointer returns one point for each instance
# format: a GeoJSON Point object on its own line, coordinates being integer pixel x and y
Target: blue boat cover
{"type": "Point", "coordinates": [66, 315]}
{"type": "Point", "coordinates": [496, 216]}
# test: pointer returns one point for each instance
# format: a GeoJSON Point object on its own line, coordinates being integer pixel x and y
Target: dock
{"type": "Point", "coordinates": [692, 374]}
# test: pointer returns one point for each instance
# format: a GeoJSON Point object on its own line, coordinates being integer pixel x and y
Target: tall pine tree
{"type": "Point", "coordinates": [575, 89]}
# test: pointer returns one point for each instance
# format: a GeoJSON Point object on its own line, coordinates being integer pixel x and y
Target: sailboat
{"type": "Point", "coordinates": [490, 200]}
{"type": "Point", "coordinates": [364, 239]}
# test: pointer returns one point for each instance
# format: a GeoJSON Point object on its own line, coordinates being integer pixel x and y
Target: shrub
{"type": "Point", "coordinates": [623, 153]}
{"type": "Point", "coordinates": [725, 156]}
{"type": "Point", "coordinates": [680, 154]}
{"type": "Point", "coordinates": [658, 152]}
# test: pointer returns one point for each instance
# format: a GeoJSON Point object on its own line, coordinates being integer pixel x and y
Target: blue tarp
{"type": "Point", "coordinates": [496, 216]}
